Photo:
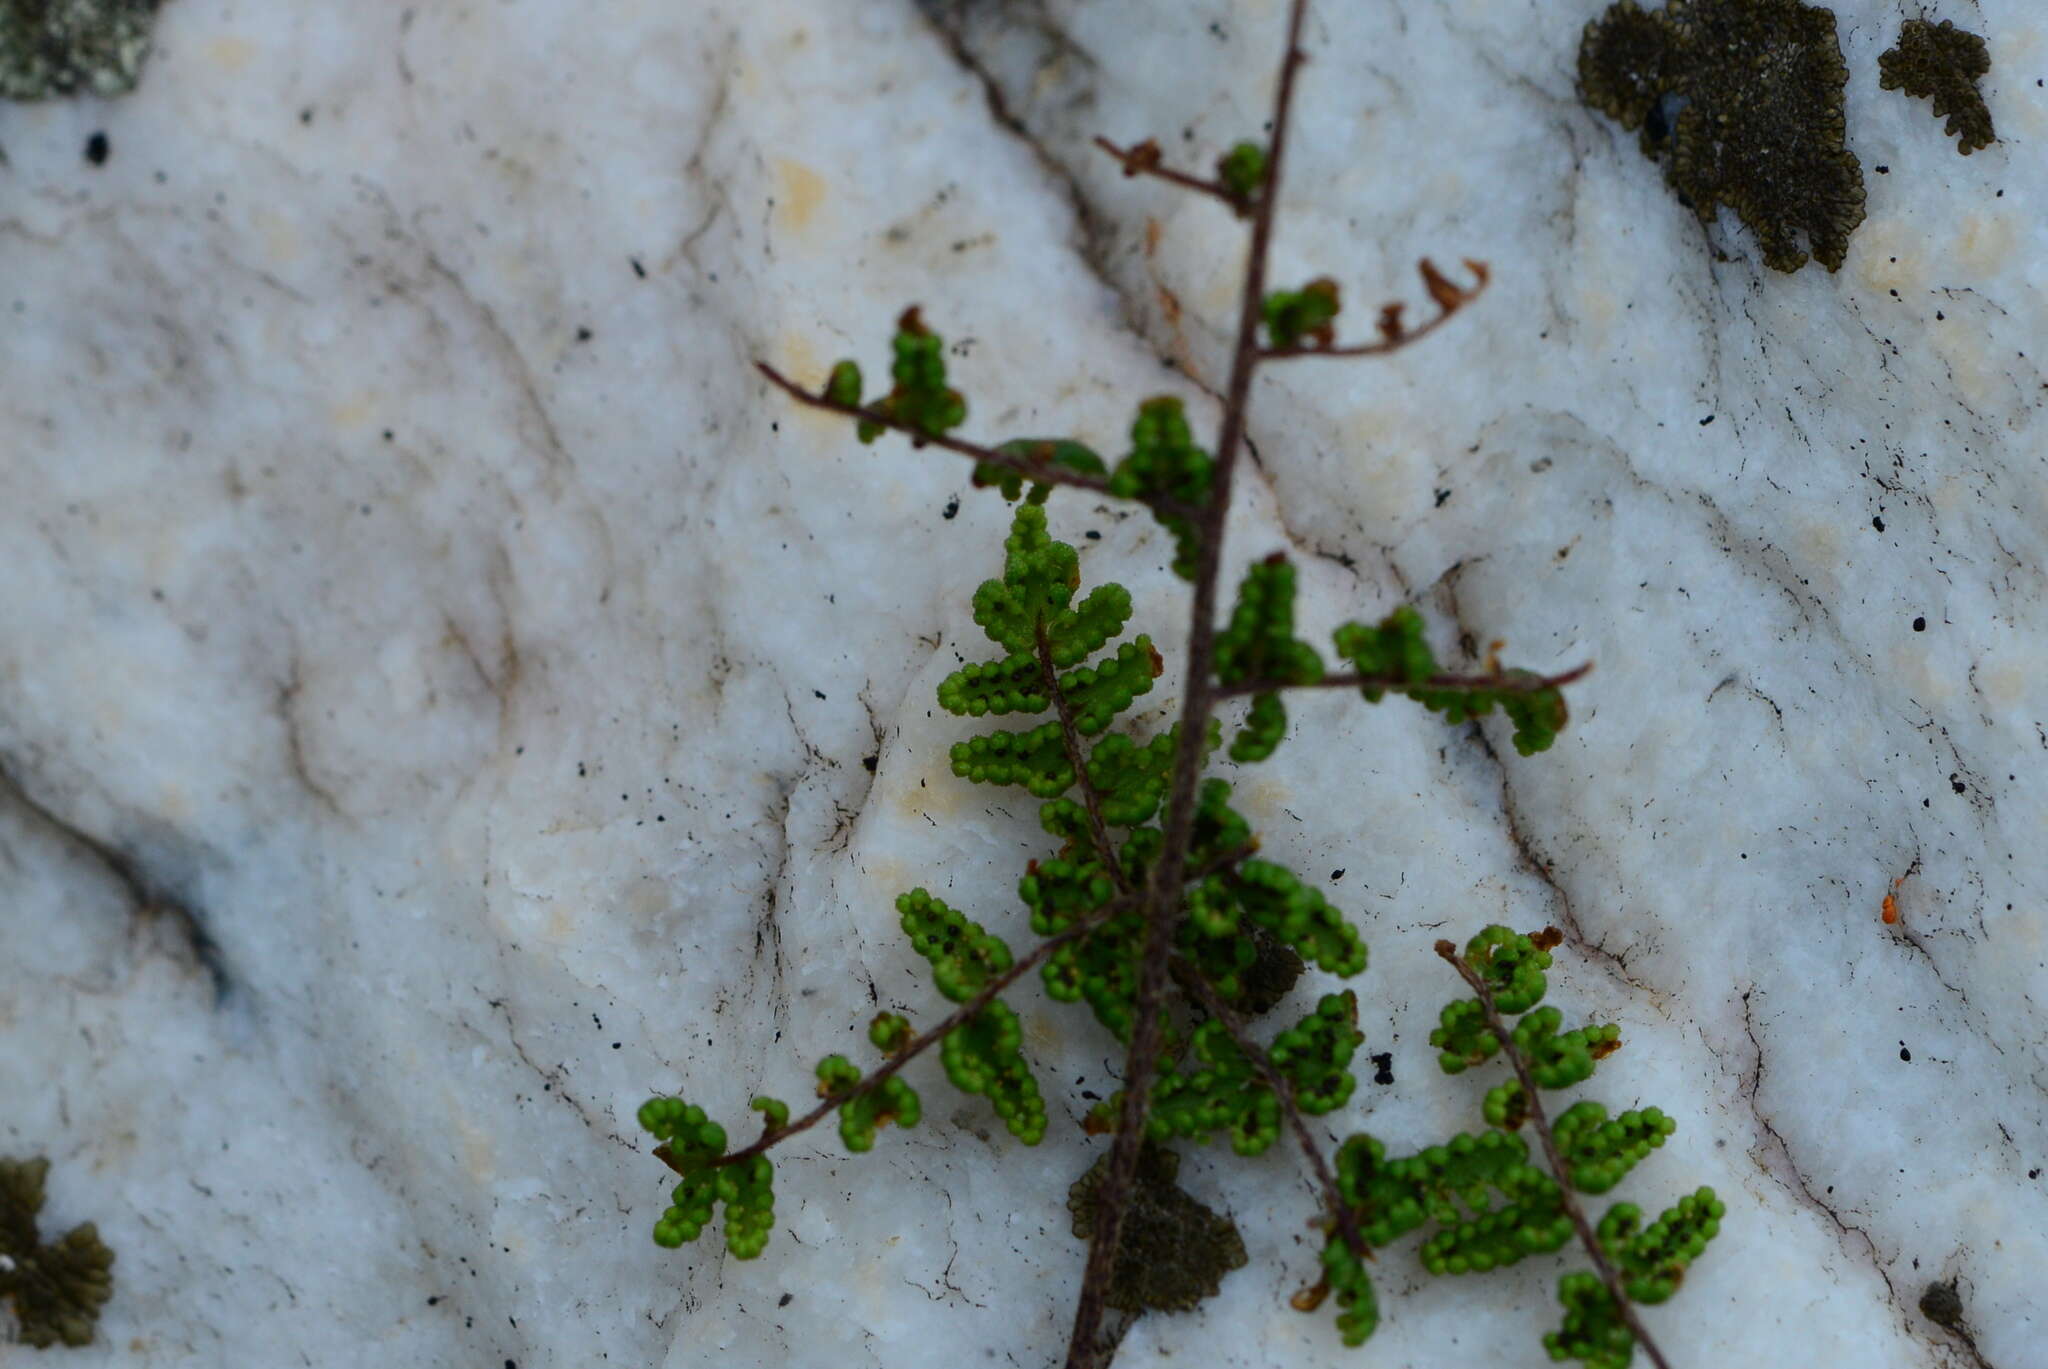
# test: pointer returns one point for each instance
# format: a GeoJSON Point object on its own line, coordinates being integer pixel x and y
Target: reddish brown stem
{"type": "Point", "coordinates": [1142, 159]}
{"type": "Point", "coordinates": [1497, 682]}
{"type": "Point", "coordinates": [1533, 1098]}
{"type": "Point", "coordinates": [1044, 472]}
{"type": "Point", "coordinates": [917, 1045]}
{"type": "Point", "coordinates": [1197, 702]}
{"type": "Point", "coordinates": [1283, 1089]}
{"type": "Point", "coordinates": [1070, 736]}
{"type": "Point", "coordinates": [1393, 335]}
{"type": "Point", "coordinates": [913, 1048]}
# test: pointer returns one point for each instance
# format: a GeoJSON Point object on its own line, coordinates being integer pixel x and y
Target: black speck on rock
{"type": "Point", "coordinates": [97, 149]}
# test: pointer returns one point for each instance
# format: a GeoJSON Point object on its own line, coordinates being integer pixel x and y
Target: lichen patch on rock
{"type": "Point", "coordinates": [1943, 63]}
{"type": "Point", "coordinates": [52, 48]}
{"type": "Point", "coordinates": [1741, 103]}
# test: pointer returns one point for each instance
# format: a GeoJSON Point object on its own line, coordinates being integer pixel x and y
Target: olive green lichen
{"type": "Point", "coordinates": [1173, 1251]}
{"type": "Point", "coordinates": [1741, 100]}
{"type": "Point", "coordinates": [1942, 62]}
{"type": "Point", "coordinates": [72, 47]}
{"type": "Point", "coordinates": [57, 1289]}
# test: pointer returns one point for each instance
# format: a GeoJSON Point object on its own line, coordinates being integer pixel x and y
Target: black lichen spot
{"type": "Point", "coordinates": [1942, 1305]}
{"type": "Point", "coordinates": [1173, 1251]}
{"type": "Point", "coordinates": [97, 149]}
{"type": "Point", "coordinates": [1942, 62]}
{"type": "Point", "coordinates": [1741, 100]}
{"type": "Point", "coordinates": [72, 47]}
{"type": "Point", "coordinates": [1271, 975]}
{"type": "Point", "coordinates": [57, 1289]}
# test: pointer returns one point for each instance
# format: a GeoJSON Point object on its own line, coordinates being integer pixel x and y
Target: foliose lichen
{"type": "Point", "coordinates": [1173, 1251]}
{"type": "Point", "coordinates": [54, 48]}
{"type": "Point", "coordinates": [57, 1289]}
{"type": "Point", "coordinates": [1942, 62]}
{"type": "Point", "coordinates": [1741, 101]}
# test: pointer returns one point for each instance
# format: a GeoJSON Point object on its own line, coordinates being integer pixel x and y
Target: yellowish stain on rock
{"type": "Point", "coordinates": [2006, 682]}
{"type": "Point", "coordinates": [1820, 549]}
{"type": "Point", "coordinates": [1978, 373]}
{"type": "Point", "coordinates": [2024, 933]}
{"type": "Point", "coordinates": [796, 359]}
{"type": "Point", "coordinates": [799, 191]}
{"type": "Point", "coordinates": [1219, 295]}
{"type": "Point", "coordinates": [1042, 1033]}
{"type": "Point", "coordinates": [479, 1157]}
{"type": "Point", "coordinates": [1888, 256]}
{"type": "Point", "coordinates": [174, 802]}
{"type": "Point", "coordinates": [941, 797]}
{"type": "Point", "coordinates": [561, 926]}
{"type": "Point", "coordinates": [887, 877]}
{"type": "Point", "coordinates": [1912, 670]}
{"type": "Point", "coordinates": [280, 237]}
{"type": "Point", "coordinates": [1265, 797]}
{"type": "Point", "coordinates": [1390, 468]}
{"type": "Point", "coordinates": [1984, 243]}
{"type": "Point", "coordinates": [354, 411]}
{"type": "Point", "coordinates": [1598, 309]}
{"type": "Point", "coordinates": [230, 54]}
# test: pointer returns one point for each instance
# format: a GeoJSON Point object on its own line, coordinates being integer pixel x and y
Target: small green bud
{"type": "Point", "coordinates": [843, 386]}
{"type": "Point", "coordinates": [889, 1032]}
{"type": "Point", "coordinates": [1242, 170]}
{"type": "Point", "coordinates": [1304, 317]}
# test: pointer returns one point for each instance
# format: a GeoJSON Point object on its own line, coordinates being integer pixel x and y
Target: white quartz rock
{"type": "Point", "coordinates": [477, 701]}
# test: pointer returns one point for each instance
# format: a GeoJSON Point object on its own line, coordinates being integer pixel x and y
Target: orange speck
{"type": "Point", "coordinates": [1891, 902]}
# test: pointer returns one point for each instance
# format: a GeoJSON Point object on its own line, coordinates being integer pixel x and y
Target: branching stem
{"type": "Point", "coordinates": [1070, 736]}
{"type": "Point", "coordinates": [1495, 682]}
{"type": "Point", "coordinates": [1533, 1096]}
{"type": "Point", "coordinates": [1044, 472]}
{"type": "Point", "coordinates": [959, 1017]}
{"type": "Point", "coordinates": [1143, 159]}
{"type": "Point", "coordinates": [1161, 896]}
{"type": "Point", "coordinates": [1283, 1089]}
{"type": "Point", "coordinates": [1197, 702]}
{"type": "Point", "coordinates": [913, 1048]}
{"type": "Point", "coordinates": [1394, 335]}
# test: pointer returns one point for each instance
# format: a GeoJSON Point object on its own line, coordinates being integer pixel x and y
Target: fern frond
{"type": "Point", "coordinates": [1397, 651]}
{"type": "Point", "coordinates": [1259, 645]}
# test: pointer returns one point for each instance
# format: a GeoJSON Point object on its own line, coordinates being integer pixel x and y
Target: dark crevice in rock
{"type": "Point", "coordinates": [969, 29]}
{"type": "Point", "coordinates": [151, 894]}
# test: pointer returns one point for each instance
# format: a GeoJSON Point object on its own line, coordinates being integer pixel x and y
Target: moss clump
{"type": "Point", "coordinates": [1942, 1304]}
{"type": "Point", "coordinates": [1741, 100]}
{"type": "Point", "coordinates": [72, 47]}
{"type": "Point", "coordinates": [1942, 62]}
{"type": "Point", "coordinates": [1173, 1251]}
{"type": "Point", "coordinates": [57, 1289]}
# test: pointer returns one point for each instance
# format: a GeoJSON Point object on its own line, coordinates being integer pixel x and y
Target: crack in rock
{"type": "Point", "coordinates": [148, 892]}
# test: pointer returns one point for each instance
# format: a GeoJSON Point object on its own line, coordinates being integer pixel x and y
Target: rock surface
{"type": "Point", "coordinates": [445, 697]}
